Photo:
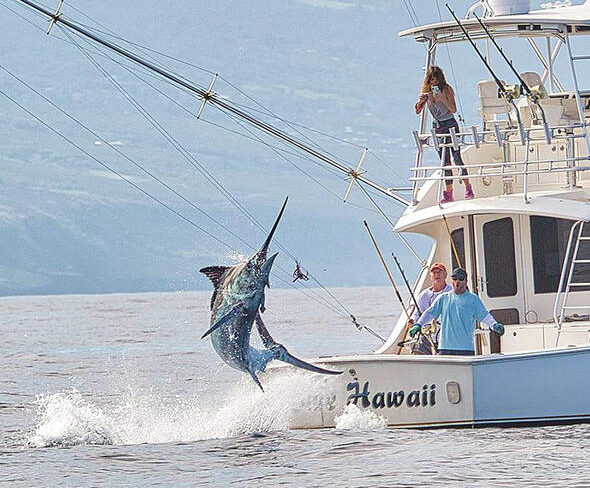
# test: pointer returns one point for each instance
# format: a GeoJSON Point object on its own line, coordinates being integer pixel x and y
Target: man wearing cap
{"type": "Point", "coordinates": [458, 310]}
{"type": "Point", "coordinates": [439, 285]}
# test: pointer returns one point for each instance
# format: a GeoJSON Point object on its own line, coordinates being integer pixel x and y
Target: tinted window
{"type": "Point", "coordinates": [500, 264]}
{"type": "Point", "coordinates": [459, 242]}
{"type": "Point", "coordinates": [549, 242]}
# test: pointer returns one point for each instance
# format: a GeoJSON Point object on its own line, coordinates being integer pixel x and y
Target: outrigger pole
{"type": "Point", "coordinates": [533, 97]}
{"type": "Point", "coordinates": [208, 96]}
{"type": "Point", "coordinates": [507, 95]}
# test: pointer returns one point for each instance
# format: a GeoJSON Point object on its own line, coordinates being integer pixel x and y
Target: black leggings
{"type": "Point", "coordinates": [444, 127]}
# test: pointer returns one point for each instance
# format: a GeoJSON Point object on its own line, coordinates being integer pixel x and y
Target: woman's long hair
{"type": "Point", "coordinates": [434, 76]}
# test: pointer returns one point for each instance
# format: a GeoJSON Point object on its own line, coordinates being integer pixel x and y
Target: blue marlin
{"type": "Point", "coordinates": [236, 304]}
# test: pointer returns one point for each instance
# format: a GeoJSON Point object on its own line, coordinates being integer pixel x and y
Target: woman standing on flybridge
{"type": "Point", "coordinates": [438, 95]}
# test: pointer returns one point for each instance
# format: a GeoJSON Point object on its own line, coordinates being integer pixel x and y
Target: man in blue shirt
{"type": "Point", "coordinates": [458, 310]}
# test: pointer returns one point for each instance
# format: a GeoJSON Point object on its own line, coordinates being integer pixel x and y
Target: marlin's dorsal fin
{"type": "Point", "coordinates": [214, 273]}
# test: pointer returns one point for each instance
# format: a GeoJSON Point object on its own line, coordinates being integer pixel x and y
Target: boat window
{"type": "Point", "coordinates": [500, 263]}
{"type": "Point", "coordinates": [459, 241]}
{"type": "Point", "coordinates": [549, 242]}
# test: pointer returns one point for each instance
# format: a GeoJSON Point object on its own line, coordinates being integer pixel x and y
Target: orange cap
{"type": "Point", "coordinates": [438, 266]}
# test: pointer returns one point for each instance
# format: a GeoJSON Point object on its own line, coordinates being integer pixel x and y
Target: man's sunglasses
{"type": "Point", "coordinates": [454, 278]}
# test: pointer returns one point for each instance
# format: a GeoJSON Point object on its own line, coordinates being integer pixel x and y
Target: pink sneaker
{"type": "Point", "coordinates": [468, 192]}
{"type": "Point", "coordinates": [447, 197]}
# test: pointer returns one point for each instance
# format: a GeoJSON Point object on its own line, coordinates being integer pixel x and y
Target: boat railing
{"type": "Point", "coordinates": [503, 137]}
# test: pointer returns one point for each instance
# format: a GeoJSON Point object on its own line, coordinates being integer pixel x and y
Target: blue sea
{"type": "Point", "coordinates": [118, 390]}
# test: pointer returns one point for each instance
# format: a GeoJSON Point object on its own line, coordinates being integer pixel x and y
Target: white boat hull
{"type": "Point", "coordinates": [543, 387]}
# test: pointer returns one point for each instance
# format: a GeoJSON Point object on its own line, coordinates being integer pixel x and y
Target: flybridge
{"type": "Point", "coordinates": [208, 96]}
{"type": "Point", "coordinates": [533, 23]}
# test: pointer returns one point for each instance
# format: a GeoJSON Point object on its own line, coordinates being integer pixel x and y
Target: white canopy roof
{"type": "Point", "coordinates": [576, 15]}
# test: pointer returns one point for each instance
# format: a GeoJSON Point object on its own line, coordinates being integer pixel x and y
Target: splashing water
{"type": "Point", "coordinates": [68, 418]}
{"type": "Point", "coordinates": [353, 418]}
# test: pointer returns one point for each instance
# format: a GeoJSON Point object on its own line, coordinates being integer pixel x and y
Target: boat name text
{"type": "Point", "coordinates": [381, 399]}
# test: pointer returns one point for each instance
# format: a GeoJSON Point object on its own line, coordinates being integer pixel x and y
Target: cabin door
{"type": "Point", "coordinates": [499, 266]}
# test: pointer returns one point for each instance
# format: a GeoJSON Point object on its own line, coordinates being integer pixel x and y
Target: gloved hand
{"type": "Point", "coordinates": [415, 330]}
{"type": "Point", "coordinates": [499, 328]}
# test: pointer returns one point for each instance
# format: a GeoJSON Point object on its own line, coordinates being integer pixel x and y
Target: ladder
{"type": "Point", "coordinates": [575, 246]}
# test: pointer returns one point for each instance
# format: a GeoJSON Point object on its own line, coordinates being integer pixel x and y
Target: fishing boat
{"type": "Point", "coordinates": [524, 239]}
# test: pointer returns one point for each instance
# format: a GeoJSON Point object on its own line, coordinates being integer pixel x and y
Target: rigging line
{"type": "Point", "coordinates": [138, 106]}
{"type": "Point", "coordinates": [304, 157]}
{"type": "Point", "coordinates": [461, 117]}
{"type": "Point", "coordinates": [121, 176]}
{"type": "Point", "coordinates": [155, 124]}
{"type": "Point", "coordinates": [135, 71]}
{"type": "Point", "coordinates": [109, 32]}
{"type": "Point", "coordinates": [387, 165]}
{"type": "Point", "coordinates": [121, 153]}
{"type": "Point", "coordinates": [282, 156]}
{"type": "Point", "coordinates": [258, 124]}
{"type": "Point", "coordinates": [386, 218]}
{"type": "Point", "coordinates": [308, 128]}
{"type": "Point", "coordinates": [235, 87]}
{"type": "Point", "coordinates": [286, 122]}
{"type": "Point", "coordinates": [38, 14]}
{"type": "Point", "coordinates": [410, 13]}
{"type": "Point", "coordinates": [193, 161]}
{"type": "Point", "coordinates": [276, 149]}
{"type": "Point", "coordinates": [326, 304]}
{"type": "Point", "coordinates": [285, 249]}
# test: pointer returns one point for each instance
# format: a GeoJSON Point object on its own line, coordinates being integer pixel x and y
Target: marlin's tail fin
{"type": "Point", "coordinates": [282, 354]}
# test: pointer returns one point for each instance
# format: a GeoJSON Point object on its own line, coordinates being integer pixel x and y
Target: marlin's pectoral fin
{"type": "Point", "coordinates": [283, 355]}
{"type": "Point", "coordinates": [228, 316]}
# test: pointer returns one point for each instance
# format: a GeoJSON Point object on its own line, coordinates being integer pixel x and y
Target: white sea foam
{"type": "Point", "coordinates": [353, 418]}
{"type": "Point", "coordinates": [67, 418]}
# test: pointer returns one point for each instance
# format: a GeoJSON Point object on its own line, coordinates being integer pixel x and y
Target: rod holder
{"type": "Point", "coordinates": [454, 139]}
{"type": "Point", "coordinates": [499, 138]}
{"type": "Point", "coordinates": [435, 139]}
{"type": "Point", "coordinates": [475, 136]}
{"type": "Point", "coordinates": [418, 141]}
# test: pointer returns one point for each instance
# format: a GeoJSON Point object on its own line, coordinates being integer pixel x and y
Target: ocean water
{"type": "Point", "coordinates": [118, 390]}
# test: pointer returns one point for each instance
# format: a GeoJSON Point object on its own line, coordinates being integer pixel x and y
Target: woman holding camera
{"type": "Point", "coordinates": [439, 97]}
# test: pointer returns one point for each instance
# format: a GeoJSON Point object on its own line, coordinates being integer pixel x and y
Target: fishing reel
{"type": "Point", "coordinates": [512, 91]}
{"type": "Point", "coordinates": [429, 329]}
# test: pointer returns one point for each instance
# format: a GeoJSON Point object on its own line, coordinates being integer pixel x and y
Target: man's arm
{"type": "Point", "coordinates": [431, 313]}
{"type": "Point", "coordinates": [486, 318]}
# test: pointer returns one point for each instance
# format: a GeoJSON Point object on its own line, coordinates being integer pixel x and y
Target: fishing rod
{"type": "Point", "coordinates": [389, 275]}
{"type": "Point", "coordinates": [508, 95]}
{"type": "Point", "coordinates": [453, 246]}
{"type": "Point", "coordinates": [399, 266]}
{"type": "Point", "coordinates": [209, 96]}
{"type": "Point", "coordinates": [531, 95]}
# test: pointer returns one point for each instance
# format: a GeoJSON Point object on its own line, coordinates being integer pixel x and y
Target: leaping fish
{"type": "Point", "coordinates": [236, 303]}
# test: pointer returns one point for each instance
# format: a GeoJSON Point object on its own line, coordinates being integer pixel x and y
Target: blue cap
{"type": "Point", "coordinates": [459, 273]}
